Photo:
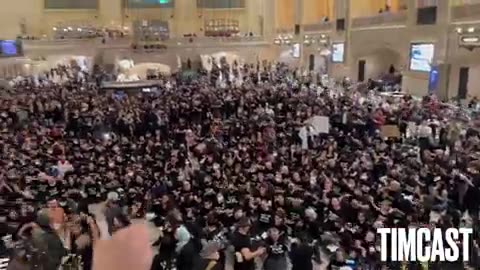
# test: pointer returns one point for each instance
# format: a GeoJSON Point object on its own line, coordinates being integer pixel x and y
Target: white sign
{"type": "Point", "coordinates": [319, 124]}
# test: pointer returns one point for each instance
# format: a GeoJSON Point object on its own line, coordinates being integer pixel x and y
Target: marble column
{"type": "Point", "coordinates": [111, 12]}
{"type": "Point", "coordinates": [186, 18]}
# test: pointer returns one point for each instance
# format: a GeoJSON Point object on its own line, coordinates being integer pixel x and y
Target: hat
{"type": "Point", "coordinates": [112, 196]}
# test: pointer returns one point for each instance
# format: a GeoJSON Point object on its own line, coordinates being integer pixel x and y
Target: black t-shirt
{"type": "Point", "coordinates": [240, 242]}
{"type": "Point", "coordinates": [265, 219]}
{"type": "Point", "coordinates": [276, 250]}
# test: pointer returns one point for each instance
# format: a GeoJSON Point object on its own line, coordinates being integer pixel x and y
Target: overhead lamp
{"type": "Point", "coordinates": [54, 28]}
{"type": "Point", "coordinates": [459, 30]}
{"type": "Point", "coordinates": [322, 36]}
{"type": "Point", "coordinates": [277, 41]}
{"type": "Point", "coordinates": [79, 29]}
{"type": "Point", "coordinates": [471, 29]}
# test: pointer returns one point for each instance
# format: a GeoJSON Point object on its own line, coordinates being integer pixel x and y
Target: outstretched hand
{"type": "Point", "coordinates": [128, 249]}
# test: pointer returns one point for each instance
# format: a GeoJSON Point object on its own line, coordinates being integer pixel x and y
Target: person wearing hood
{"type": "Point", "coordinates": [49, 246]}
{"type": "Point", "coordinates": [186, 250]}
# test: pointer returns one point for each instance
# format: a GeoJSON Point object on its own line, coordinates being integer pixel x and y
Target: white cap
{"type": "Point", "coordinates": [112, 196]}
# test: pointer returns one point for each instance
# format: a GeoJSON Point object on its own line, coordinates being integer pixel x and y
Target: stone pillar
{"type": "Point", "coordinates": [111, 12]}
{"type": "Point", "coordinates": [269, 18]}
{"type": "Point", "coordinates": [185, 18]}
{"type": "Point", "coordinates": [299, 11]}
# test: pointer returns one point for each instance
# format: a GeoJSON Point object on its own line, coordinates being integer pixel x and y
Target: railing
{"type": "Point", "coordinates": [318, 27]}
{"type": "Point", "coordinates": [126, 43]}
{"type": "Point", "coordinates": [282, 31]}
{"type": "Point", "coordinates": [466, 12]}
{"type": "Point", "coordinates": [75, 42]}
{"type": "Point", "coordinates": [382, 19]}
{"type": "Point", "coordinates": [215, 39]}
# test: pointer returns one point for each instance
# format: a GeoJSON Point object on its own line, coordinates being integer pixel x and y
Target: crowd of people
{"type": "Point", "coordinates": [222, 170]}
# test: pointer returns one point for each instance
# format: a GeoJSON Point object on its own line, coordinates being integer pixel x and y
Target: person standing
{"type": "Point", "coordinates": [276, 251]}
{"type": "Point", "coordinates": [187, 253]}
{"type": "Point", "coordinates": [301, 254]}
{"type": "Point", "coordinates": [49, 246]}
{"type": "Point", "coordinates": [56, 215]}
{"type": "Point", "coordinates": [114, 213]}
{"type": "Point", "coordinates": [210, 257]}
{"type": "Point", "coordinates": [85, 236]}
{"type": "Point", "coordinates": [244, 254]}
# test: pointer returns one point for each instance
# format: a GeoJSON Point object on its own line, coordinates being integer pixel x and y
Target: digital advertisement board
{"type": "Point", "coordinates": [421, 56]}
{"type": "Point", "coordinates": [338, 52]}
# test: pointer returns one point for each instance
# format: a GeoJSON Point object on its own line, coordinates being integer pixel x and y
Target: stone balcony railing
{"type": "Point", "coordinates": [466, 12]}
{"type": "Point", "coordinates": [284, 31]}
{"type": "Point", "coordinates": [318, 27]}
{"type": "Point", "coordinates": [382, 19]}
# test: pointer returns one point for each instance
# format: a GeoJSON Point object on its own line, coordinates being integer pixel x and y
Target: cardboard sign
{"type": "Point", "coordinates": [390, 131]}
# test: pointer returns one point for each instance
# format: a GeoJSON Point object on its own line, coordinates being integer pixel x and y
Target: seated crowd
{"type": "Point", "coordinates": [224, 172]}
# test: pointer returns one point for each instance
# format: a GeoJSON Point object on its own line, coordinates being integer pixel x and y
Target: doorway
{"type": "Point", "coordinates": [311, 62]}
{"type": "Point", "coordinates": [361, 70]}
{"type": "Point", "coordinates": [463, 83]}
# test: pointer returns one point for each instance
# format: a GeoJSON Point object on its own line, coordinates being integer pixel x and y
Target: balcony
{"type": "Point", "coordinates": [469, 12]}
{"type": "Point", "coordinates": [318, 27]}
{"type": "Point", "coordinates": [385, 19]}
{"type": "Point", "coordinates": [284, 31]}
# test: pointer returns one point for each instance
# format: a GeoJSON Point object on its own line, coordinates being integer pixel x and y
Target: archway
{"type": "Point", "coordinates": [311, 62]}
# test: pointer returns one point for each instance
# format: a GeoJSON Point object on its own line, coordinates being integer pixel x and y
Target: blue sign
{"type": "Point", "coordinates": [433, 80]}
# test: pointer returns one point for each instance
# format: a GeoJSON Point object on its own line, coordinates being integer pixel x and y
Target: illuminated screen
{"type": "Point", "coordinates": [421, 56]}
{"type": "Point", "coordinates": [150, 3]}
{"type": "Point", "coordinates": [338, 51]}
{"type": "Point", "coordinates": [296, 50]}
{"type": "Point", "coordinates": [8, 48]}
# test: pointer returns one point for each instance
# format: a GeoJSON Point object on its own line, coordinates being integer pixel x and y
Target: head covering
{"type": "Point", "coordinates": [43, 219]}
{"type": "Point", "coordinates": [183, 237]}
{"type": "Point", "coordinates": [112, 196]}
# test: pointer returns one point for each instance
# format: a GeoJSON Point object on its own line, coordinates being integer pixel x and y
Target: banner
{"type": "Point", "coordinates": [319, 124]}
{"type": "Point", "coordinates": [390, 131]}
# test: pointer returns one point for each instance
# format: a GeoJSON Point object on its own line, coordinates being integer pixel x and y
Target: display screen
{"type": "Point", "coordinates": [149, 3]}
{"type": "Point", "coordinates": [212, 4]}
{"type": "Point", "coordinates": [71, 4]}
{"type": "Point", "coordinates": [10, 48]}
{"type": "Point", "coordinates": [338, 52]}
{"type": "Point", "coordinates": [296, 50]}
{"type": "Point", "coordinates": [421, 56]}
